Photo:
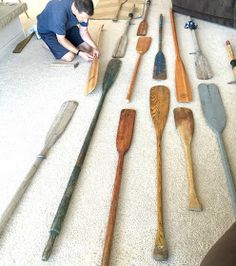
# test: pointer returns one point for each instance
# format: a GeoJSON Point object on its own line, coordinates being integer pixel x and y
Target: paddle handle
{"type": "Point", "coordinates": [147, 9]}
{"type": "Point", "coordinates": [231, 56]}
{"type": "Point", "coordinates": [174, 33]}
{"type": "Point", "coordinates": [227, 169]}
{"type": "Point", "coordinates": [160, 31]}
{"type": "Point", "coordinates": [112, 213]}
{"type": "Point", "coordinates": [132, 83]}
{"type": "Point", "coordinates": [131, 16]}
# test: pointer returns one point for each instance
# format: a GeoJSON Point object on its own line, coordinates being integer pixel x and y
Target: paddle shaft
{"type": "Point", "coordinates": [160, 32]}
{"type": "Point", "coordinates": [174, 34]}
{"type": "Point", "coordinates": [147, 10]}
{"type": "Point", "coordinates": [118, 11]}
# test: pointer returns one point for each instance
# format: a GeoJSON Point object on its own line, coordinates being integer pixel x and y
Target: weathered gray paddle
{"type": "Point", "coordinates": [58, 127]}
{"type": "Point", "coordinates": [159, 70]}
{"type": "Point", "coordinates": [122, 43]}
{"type": "Point", "coordinates": [214, 113]}
{"type": "Point", "coordinates": [111, 73]}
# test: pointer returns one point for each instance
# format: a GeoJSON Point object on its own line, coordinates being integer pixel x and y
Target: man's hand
{"type": "Point", "coordinates": [95, 52]}
{"type": "Point", "coordinates": [86, 56]}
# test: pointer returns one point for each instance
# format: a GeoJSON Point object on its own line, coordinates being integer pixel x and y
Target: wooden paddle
{"type": "Point", "coordinates": [118, 11]}
{"type": "Point", "coordinates": [111, 73]}
{"type": "Point", "coordinates": [94, 68]}
{"type": "Point", "coordinates": [214, 113]}
{"type": "Point", "coordinates": [21, 45]}
{"type": "Point", "coordinates": [159, 108]}
{"type": "Point", "coordinates": [58, 127]}
{"type": "Point", "coordinates": [123, 141]}
{"type": "Point", "coordinates": [159, 70]}
{"type": "Point", "coordinates": [183, 90]}
{"type": "Point", "coordinates": [185, 125]}
{"type": "Point", "coordinates": [142, 47]}
{"type": "Point", "coordinates": [143, 26]}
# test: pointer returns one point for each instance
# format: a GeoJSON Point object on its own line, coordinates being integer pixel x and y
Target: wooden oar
{"type": "Point", "coordinates": [159, 108]}
{"type": "Point", "coordinates": [118, 11]}
{"type": "Point", "coordinates": [123, 141]}
{"type": "Point", "coordinates": [21, 45]}
{"type": "Point", "coordinates": [202, 67]}
{"type": "Point", "coordinates": [159, 70]}
{"type": "Point", "coordinates": [94, 68]}
{"type": "Point", "coordinates": [185, 125]}
{"type": "Point", "coordinates": [58, 127]}
{"type": "Point", "coordinates": [62, 63]}
{"type": "Point", "coordinates": [183, 90]}
{"type": "Point", "coordinates": [122, 43]}
{"type": "Point", "coordinates": [214, 113]}
{"type": "Point", "coordinates": [143, 26]}
{"type": "Point", "coordinates": [142, 47]}
{"type": "Point", "coordinates": [111, 73]}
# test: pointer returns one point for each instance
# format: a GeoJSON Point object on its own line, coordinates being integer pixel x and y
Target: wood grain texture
{"type": "Point", "coordinates": [123, 142]}
{"type": "Point", "coordinates": [183, 89]}
{"type": "Point", "coordinates": [159, 108]}
{"type": "Point", "coordinates": [185, 125]}
{"type": "Point", "coordinates": [143, 26]}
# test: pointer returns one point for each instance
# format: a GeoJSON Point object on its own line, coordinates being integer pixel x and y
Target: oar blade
{"type": "Point", "coordinates": [142, 28]}
{"type": "Point", "coordinates": [184, 122]}
{"type": "Point", "coordinates": [60, 122]}
{"type": "Point", "coordinates": [143, 44]}
{"type": "Point", "coordinates": [212, 106]}
{"type": "Point", "coordinates": [121, 47]}
{"type": "Point", "coordinates": [21, 45]}
{"type": "Point", "coordinates": [125, 130]}
{"type": "Point", "coordinates": [159, 70]}
{"type": "Point", "coordinates": [202, 67]}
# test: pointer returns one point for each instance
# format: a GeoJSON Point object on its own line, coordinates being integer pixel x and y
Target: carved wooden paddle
{"type": "Point", "coordinates": [142, 47]}
{"type": "Point", "coordinates": [185, 125]}
{"type": "Point", "coordinates": [183, 89]}
{"type": "Point", "coordinates": [143, 26]}
{"type": "Point", "coordinates": [123, 141]}
{"type": "Point", "coordinates": [159, 108]}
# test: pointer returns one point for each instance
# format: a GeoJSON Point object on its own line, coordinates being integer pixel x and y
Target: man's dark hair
{"type": "Point", "coordinates": [84, 6]}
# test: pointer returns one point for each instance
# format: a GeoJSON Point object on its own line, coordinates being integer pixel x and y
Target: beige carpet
{"type": "Point", "coordinates": [31, 95]}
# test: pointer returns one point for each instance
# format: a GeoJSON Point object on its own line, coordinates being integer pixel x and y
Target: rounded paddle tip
{"type": "Point", "coordinates": [160, 253]}
{"type": "Point", "coordinates": [195, 205]}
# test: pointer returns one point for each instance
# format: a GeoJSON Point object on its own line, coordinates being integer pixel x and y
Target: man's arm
{"type": "Point", "coordinates": [87, 38]}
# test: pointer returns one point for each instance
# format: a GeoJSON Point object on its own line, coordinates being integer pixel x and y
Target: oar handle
{"type": "Point", "coordinates": [231, 56]}
{"type": "Point", "coordinates": [160, 31]}
{"type": "Point", "coordinates": [112, 214]}
{"type": "Point", "coordinates": [175, 38]}
{"type": "Point", "coordinates": [227, 169]}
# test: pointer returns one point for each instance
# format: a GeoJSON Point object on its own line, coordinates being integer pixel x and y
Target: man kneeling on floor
{"type": "Point", "coordinates": [63, 26]}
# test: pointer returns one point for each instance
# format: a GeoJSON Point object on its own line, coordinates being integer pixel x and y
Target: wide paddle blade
{"type": "Point", "coordinates": [184, 122]}
{"type": "Point", "coordinates": [125, 130]}
{"type": "Point", "coordinates": [159, 70]}
{"type": "Point", "coordinates": [21, 45]}
{"type": "Point", "coordinates": [143, 44]}
{"type": "Point", "coordinates": [142, 28]}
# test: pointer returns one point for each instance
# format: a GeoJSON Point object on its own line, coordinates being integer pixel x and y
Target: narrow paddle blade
{"type": "Point", "coordinates": [125, 130]}
{"type": "Point", "coordinates": [121, 47]}
{"type": "Point", "coordinates": [60, 122]}
{"type": "Point", "coordinates": [143, 44]}
{"type": "Point", "coordinates": [21, 45]}
{"type": "Point", "coordinates": [159, 70]}
{"type": "Point", "coordinates": [184, 122]}
{"type": "Point", "coordinates": [212, 107]}
{"type": "Point", "coordinates": [142, 28]}
{"type": "Point", "coordinates": [202, 67]}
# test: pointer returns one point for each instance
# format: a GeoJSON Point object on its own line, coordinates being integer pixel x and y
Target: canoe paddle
{"type": "Point", "coordinates": [214, 113]}
{"type": "Point", "coordinates": [183, 90]}
{"type": "Point", "coordinates": [111, 73]}
{"type": "Point", "coordinates": [185, 125]}
{"type": "Point", "coordinates": [202, 67]}
{"type": "Point", "coordinates": [122, 43]}
{"type": "Point", "coordinates": [143, 26]}
{"type": "Point", "coordinates": [159, 70]}
{"type": "Point", "coordinates": [58, 127]}
{"type": "Point", "coordinates": [21, 45]}
{"type": "Point", "coordinates": [142, 47]}
{"type": "Point", "coordinates": [118, 11]}
{"type": "Point", "coordinates": [159, 108]}
{"type": "Point", "coordinates": [123, 141]}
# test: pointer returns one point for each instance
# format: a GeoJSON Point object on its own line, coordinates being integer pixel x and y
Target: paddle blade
{"type": "Point", "coordinates": [125, 130]}
{"type": "Point", "coordinates": [202, 67]}
{"type": "Point", "coordinates": [159, 70]}
{"type": "Point", "coordinates": [212, 106]}
{"type": "Point", "coordinates": [21, 45]}
{"type": "Point", "coordinates": [142, 28]}
{"type": "Point", "coordinates": [60, 122]}
{"type": "Point", "coordinates": [111, 73]}
{"type": "Point", "coordinates": [143, 44]}
{"type": "Point", "coordinates": [184, 122]}
{"type": "Point", "coordinates": [159, 106]}
{"type": "Point", "coordinates": [121, 47]}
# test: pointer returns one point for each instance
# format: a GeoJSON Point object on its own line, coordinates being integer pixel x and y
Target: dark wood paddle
{"type": "Point", "coordinates": [214, 113]}
{"type": "Point", "coordinates": [185, 125]}
{"type": "Point", "coordinates": [123, 141]}
{"type": "Point", "coordinates": [159, 108]}
{"type": "Point", "coordinates": [183, 89]}
{"type": "Point", "coordinates": [111, 73]}
{"type": "Point", "coordinates": [143, 26]}
{"type": "Point", "coordinates": [21, 45]}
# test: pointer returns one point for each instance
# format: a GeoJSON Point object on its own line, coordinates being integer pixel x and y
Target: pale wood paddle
{"type": "Point", "coordinates": [123, 141]}
{"type": "Point", "coordinates": [183, 89]}
{"type": "Point", "coordinates": [142, 47]}
{"type": "Point", "coordinates": [159, 108]}
{"type": "Point", "coordinates": [185, 125]}
{"type": "Point", "coordinates": [94, 68]}
{"type": "Point", "coordinates": [143, 26]}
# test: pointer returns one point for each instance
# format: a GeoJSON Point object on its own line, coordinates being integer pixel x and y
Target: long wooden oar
{"type": "Point", "coordinates": [122, 43]}
{"type": "Point", "coordinates": [142, 47]}
{"type": "Point", "coordinates": [94, 68]}
{"type": "Point", "coordinates": [111, 73]}
{"type": "Point", "coordinates": [202, 67]}
{"type": "Point", "coordinates": [143, 26]}
{"type": "Point", "coordinates": [185, 125]}
{"type": "Point", "coordinates": [159, 70]}
{"type": "Point", "coordinates": [115, 19]}
{"type": "Point", "coordinates": [214, 113]}
{"type": "Point", "coordinates": [123, 141]}
{"type": "Point", "coordinates": [183, 90]}
{"type": "Point", "coordinates": [21, 45]}
{"type": "Point", "coordinates": [159, 108]}
{"type": "Point", "coordinates": [58, 127]}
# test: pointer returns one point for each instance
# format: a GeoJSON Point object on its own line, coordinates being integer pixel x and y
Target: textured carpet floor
{"type": "Point", "coordinates": [31, 94]}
